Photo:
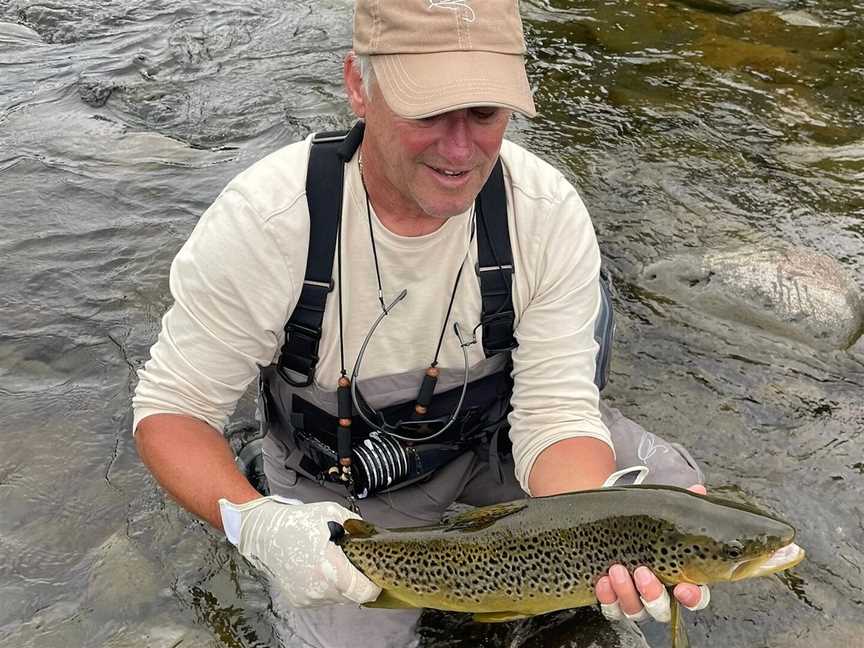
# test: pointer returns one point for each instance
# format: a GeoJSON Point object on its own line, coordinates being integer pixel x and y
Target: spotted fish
{"type": "Point", "coordinates": [532, 556]}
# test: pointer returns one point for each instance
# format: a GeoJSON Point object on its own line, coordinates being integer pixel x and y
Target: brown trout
{"type": "Point", "coordinates": [533, 556]}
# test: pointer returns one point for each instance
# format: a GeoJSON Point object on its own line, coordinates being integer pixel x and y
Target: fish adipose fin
{"type": "Point", "coordinates": [679, 632]}
{"type": "Point", "coordinates": [481, 518]}
{"type": "Point", "coordinates": [499, 617]}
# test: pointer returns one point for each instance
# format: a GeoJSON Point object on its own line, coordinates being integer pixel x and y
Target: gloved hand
{"type": "Point", "coordinates": [290, 542]}
{"type": "Point", "coordinates": [642, 595]}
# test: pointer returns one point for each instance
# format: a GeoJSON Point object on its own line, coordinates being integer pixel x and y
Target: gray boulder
{"type": "Point", "coordinates": [15, 34]}
{"type": "Point", "coordinates": [789, 291]}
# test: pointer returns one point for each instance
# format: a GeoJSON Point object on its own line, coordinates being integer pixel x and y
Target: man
{"type": "Point", "coordinates": [435, 83]}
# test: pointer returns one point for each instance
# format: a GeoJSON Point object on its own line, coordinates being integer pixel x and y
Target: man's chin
{"type": "Point", "coordinates": [447, 209]}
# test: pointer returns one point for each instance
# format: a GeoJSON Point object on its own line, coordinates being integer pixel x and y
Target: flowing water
{"type": "Point", "coordinates": [685, 124]}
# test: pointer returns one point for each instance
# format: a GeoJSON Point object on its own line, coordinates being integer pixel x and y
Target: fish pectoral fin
{"type": "Point", "coordinates": [389, 599]}
{"type": "Point", "coordinates": [499, 617]}
{"type": "Point", "coordinates": [679, 632]}
{"type": "Point", "coordinates": [480, 518]}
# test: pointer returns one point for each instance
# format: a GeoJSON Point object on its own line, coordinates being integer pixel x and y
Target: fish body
{"type": "Point", "coordinates": [542, 554]}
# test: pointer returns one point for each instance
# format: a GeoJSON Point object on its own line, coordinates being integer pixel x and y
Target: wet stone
{"type": "Point", "coordinates": [11, 34]}
{"type": "Point", "coordinates": [735, 6]}
{"type": "Point", "coordinates": [787, 290]}
{"type": "Point", "coordinates": [95, 93]}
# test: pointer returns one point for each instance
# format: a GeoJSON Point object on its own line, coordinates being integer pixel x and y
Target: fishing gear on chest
{"type": "Point", "coordinates": [381, 459]}
{"type": "Point", "coordinates": [335, 436]}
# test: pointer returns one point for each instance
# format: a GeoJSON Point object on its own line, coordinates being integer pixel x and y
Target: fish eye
{"type": "Point", "coordinates": [734, 550]}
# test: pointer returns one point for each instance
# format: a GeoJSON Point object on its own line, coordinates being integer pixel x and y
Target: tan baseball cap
{"type": "Point", "coordinates": [433, 56]}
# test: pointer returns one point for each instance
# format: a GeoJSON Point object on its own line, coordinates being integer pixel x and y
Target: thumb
{"type": "Point", "coordinates": [350, 581]}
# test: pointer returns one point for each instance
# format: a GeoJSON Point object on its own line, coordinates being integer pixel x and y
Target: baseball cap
{"type": "Point", "coordinates": [433, 56]}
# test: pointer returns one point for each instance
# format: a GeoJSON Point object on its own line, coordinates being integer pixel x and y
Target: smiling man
{"type": "Point", "coordinates": [418, 299]}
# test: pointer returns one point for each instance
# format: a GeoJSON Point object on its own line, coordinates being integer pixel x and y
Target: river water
{"type": "Point", "coordinates": [685, 124]}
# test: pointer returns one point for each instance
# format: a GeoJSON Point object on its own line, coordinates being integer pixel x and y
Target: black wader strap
{"type": "Point", "coordinates": [495, 265]}
{"type": "Point", "coordinates": [324, 185]}
{"type": "Point", "coordinates": [324, 182]}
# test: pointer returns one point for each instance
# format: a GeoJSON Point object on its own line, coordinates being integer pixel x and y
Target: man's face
{"type": "Point", "coordinates": [434, 166]}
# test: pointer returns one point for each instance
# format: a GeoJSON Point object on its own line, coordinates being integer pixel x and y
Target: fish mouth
{"type": "Point", "coordinates": [784, 558]}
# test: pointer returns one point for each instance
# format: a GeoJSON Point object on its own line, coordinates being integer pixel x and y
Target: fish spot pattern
{"type": "Point", "coordinates": [471, 569]}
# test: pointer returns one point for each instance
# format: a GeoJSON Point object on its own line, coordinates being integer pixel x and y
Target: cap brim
{"type": "Point", "coordinates": [423, 85]}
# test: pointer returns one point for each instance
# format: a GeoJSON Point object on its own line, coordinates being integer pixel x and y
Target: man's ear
{"type": "Point", "coordinates": [354, 85]}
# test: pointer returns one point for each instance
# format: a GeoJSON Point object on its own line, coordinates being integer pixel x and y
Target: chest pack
{"type": "Point", "coordinates": [378, 462]}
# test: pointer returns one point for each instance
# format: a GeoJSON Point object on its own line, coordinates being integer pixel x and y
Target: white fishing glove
{"type": "Point", "coordinates": [659, 609]}
{"type": "Point", "coordinates": [290, 542]}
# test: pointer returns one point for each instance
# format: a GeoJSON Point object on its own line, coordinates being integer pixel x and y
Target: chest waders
{"type": "Point", "coordinates": [324, 438]}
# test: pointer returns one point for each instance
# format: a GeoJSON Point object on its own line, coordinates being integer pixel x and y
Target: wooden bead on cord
{"type": "Point", "coordinates": [427, 389]}
{"type": "Point", "coordinates": [343, 433]}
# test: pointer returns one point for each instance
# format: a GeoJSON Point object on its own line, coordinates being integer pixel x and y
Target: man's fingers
{"type": "Point", "coordinates": [688, 594]}
{"type": "Point", "coordinates": [625, 590]}
{"type": "Point", "coordinates": [660, 608]}
{"type": "Point", "coordinates": [608, 601]}
{"type": "Point", "coordinates": [643, 595]}
{"type": "Point", "coordinates": [605, 593]}
{"type": "Point", "coordinates": [653, 595]}
{"type": "Point", "coordinates": [648, 584]}
{"type": "Point", "coordinates": [693, 597]}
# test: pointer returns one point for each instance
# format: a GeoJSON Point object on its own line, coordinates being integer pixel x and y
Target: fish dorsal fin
{"type": "Point", "coordinates": [480, 518]}
{"type": "Point", "coordinates": [679, 632]}
{"type": "Point", "coordinates": [359, 528]}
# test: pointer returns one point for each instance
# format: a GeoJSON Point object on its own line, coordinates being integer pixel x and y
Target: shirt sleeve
{"type": "Point", "coordinates": [554, 395]}
{"type": "Point", "coordinates": [233, 290]}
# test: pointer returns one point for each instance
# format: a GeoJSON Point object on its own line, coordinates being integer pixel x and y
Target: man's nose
{"type": "Point", "coordinates": [457, 143]}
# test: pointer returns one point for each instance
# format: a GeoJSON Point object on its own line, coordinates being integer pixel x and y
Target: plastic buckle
{"type": "Point", "coordinates": [494, 331]}
{"type": "Point", "coordinates": [305, 382]}
{"type": "Point", "coordinates": [308, 331]}
{"type": "Point", "coordinates": [329, 285]}
{"type": "Point", "coordinates": [328, 136]}
{"type": "Point", "coordinates": [508, 267]}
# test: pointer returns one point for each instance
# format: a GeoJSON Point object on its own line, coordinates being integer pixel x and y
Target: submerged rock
{"type": "Point", "coordinates": [14, 34]}
{"type": "Point", "coordinates": [790, 291]}
{"type": "Point", "coordinates": [95, 93]}
{"type": "Point", "coordinates": [122, 581]}
{"type": "Point", "coordinates": [735, 6]}
{"type": "Point", "coordinates": [799, 18]}
{"type": "Point", "coordinates": [81, 137]}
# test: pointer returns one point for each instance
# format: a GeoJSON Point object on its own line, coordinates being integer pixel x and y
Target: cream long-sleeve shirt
{"type": "Point", "coordinates": [237, 279]}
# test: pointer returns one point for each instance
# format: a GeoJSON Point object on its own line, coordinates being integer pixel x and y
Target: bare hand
{"type": "Point", "coordinates": [619, 593]}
